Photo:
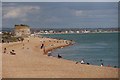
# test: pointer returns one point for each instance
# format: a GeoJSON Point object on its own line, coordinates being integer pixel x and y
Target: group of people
{"type": "Point", "coordinates": [5, 50]}
{"type": "Point", "coordinates": [12, 52]}
{"type": "Point", "coordinates": [50, 54]}
{"type": "Point", "coordinates": [42, 46]}
{"type": "Point", "coordinates": [83, 62]}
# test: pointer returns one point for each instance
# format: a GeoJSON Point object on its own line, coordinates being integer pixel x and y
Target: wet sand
{"type": "Point", "coordinates": [31, 62]}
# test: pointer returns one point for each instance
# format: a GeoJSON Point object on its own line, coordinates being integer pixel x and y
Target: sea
{"type": "Point", "coordinates": [94, 48]}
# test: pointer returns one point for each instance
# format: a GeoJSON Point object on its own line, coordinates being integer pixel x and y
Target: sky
{"type": "Point", "coordinates": [60, 14]}
{"type": "Point", "coordinates": [0, 15]}
{"type": "Point", "coordinates": [59, 0]}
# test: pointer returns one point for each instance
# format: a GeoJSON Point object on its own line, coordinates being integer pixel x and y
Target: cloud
{"type": "Point", "coordinates": [19, 12]}
{"type": "Point", "coordinates": [61, 0]}
{"type": "Point", "coordinates": [9, 4]}
{"type": "Point", "coordinates": [60, 14]}
{"type": "Point", "coordinates": [24, 19]}
{"type": "Point", "coordinates": [96, 13]}
{"type": "Point", "coordinates": [78, 12]}
{"type": "Point", "coordinates": [53, 19]}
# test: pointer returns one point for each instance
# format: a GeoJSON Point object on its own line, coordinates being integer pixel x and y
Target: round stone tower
{"type": "Point", "coordinates": [22, 30]}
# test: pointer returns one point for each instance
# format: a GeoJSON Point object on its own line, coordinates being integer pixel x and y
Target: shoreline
{"type": "Point", "coordinates": [77, 33]}
{"type": "Point", "coordinates": [58, 47]}
{"type": "Point", "coordinates": [45, 66]}
{"type": "Point", "coordinates": [101, 44]}
{"type": "Point", "coordinates": [64, 43]}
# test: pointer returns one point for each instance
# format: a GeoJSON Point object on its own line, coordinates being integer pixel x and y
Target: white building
{"type": "Point", "coordinates": [77, 31]}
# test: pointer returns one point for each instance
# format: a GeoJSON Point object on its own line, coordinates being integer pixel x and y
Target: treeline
{"type": "Point", "coordinates": [21, 25]}
{"type": "Point", "coordinates": [9, 37]}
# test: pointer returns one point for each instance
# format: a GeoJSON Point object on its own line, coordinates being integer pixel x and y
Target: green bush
{"type": "Point", "coordinates": [6, 37]}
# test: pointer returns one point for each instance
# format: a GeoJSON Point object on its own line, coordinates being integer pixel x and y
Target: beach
{"type": "Point", "coordinates": [0, 60]}
{"type": "Point", "coordinates": [31, 61]}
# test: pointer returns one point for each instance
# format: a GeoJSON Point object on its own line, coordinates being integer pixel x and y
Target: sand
{"type": "Point", "coordinates": [31, 62]}
{"type": "Point", "coordinates": [0, 60]}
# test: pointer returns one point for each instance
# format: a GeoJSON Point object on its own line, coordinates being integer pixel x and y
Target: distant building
{"type": "Point", "coordinates": [77, 31]}
{"type": "Point", "coordinates": [22, 30]}
{"type": "Point", "coordinates": [51, 31]}
{"type": "Point", "coordinates": [71, 31]}
{"type": "Point", "coordinates": [66, 31]}
{"type": "Point", "coordinates": [86, 31]}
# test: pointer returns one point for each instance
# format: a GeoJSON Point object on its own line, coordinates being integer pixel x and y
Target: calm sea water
{"type": "Point", "coordinates": [95, 48]}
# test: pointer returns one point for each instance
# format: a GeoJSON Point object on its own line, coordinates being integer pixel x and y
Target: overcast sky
{"type": "Point", "coordinates": [59, 0]}
{"type": "Point", "coordinates": [60, 15]}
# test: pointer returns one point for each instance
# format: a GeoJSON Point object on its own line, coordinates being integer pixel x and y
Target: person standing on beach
{"type": "Point", "coordinates": [42, 46]}
{"type": "Point", "coordinates": [102, 64]}
{"type": "Point", "coordinates": [5, 50]}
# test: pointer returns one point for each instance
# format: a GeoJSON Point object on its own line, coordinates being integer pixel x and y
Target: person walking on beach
{"type": "Point", "coordinates": [42, 46]}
